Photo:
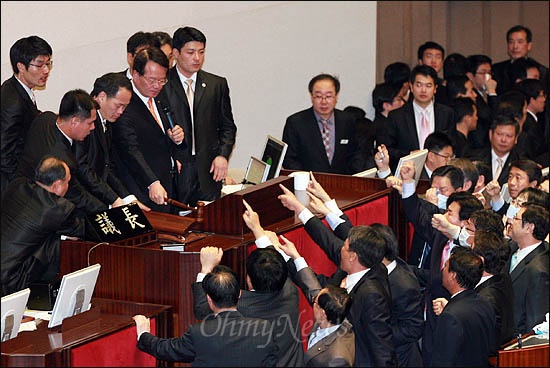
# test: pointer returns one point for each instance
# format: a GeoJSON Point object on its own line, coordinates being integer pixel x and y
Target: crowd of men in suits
{"type": "Point", "coordinates": [477, 271]}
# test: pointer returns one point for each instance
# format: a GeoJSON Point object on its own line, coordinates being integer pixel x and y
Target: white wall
{"type": "Point", "coordinates": [268, 50]}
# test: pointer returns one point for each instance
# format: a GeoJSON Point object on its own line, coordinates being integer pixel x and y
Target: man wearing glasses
{"type": "Point", "coordinates": [31, 63]}
{"type": "Point", "coordinates": [144, 142]}
{"type": "Point", "coordinates": [323, 138]}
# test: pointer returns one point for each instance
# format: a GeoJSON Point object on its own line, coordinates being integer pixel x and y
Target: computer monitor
{"type": "Point", "coordinates": [256, 172]}
{"type": "Point", "coordinates": [75, 293]}
{"type": "Point", "coordinates": [13, 307]}
{"type": "Point", "coordinates": [274, 154]}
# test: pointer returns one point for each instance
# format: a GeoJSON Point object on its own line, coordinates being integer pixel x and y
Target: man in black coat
{"type": "Point", "coordinates": [223, 339]}
{"type": "Point", "coordinates": [31, 63]}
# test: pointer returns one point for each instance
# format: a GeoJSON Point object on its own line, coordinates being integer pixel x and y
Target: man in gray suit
{"type": "Point", "coordinates": [224, 338]}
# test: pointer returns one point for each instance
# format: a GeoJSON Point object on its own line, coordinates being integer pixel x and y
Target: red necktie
{"type": "Point", "coordinates": [445, 254]}
{"type": "Point", "coordinates": [424, 128]}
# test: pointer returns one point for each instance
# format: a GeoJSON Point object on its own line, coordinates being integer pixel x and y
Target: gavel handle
{"type": "Point", "coordinates": [175, 203]}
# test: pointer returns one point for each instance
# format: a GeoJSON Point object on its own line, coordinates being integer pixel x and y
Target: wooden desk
{"type": "Point", "coordinates": [109, 339]}
{"type": "Point", "coordinates": [533, 356]}
{"type": "Point", "coordinates": [140, 271]}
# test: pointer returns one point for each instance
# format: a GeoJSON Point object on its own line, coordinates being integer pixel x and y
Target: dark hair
{"type": "Point", "coordinates": [468, 204]}
{"type": "Point", "coordinates": [455, 175]}
{"type": "Point", "coordinates": [429, 45]}
{"type": "Point", "coordinates": [468, 169]}
{"type": "Point", "coordinates": [395, 74]}
{"type": "Point", "coordinates": [462, 107]}
{"type": "Point", "coordinates": [518, 69]}
{"type": "Point", "coordinates": [336, 303]}
{"type": "Point", "coordinates": [536, 196]}
{"type": "Point", "coordinates": [520, 28]}
{"type": "Point", "coordinates": [77, 102]}
{"type": "Point", "coordinates": [530, 167]}
{"type": "Point", "coordinates": [537, 215]}
{"type": "Point", "coordinates": [454, 65]}
{"type": "Point", "coordinates": [482, 169]}
{"type": "Point", "coordinates": [163, 37]}
{"type": "Point", "coordinates": [321, 77]}
{"type": "Point", "coordinates": [356, 112]}
{"type": "Point", "coordinates": [424, 70]}
{"type": "Point", "coordinates": [488, 220]}
{"type": "Point", "coordinates": [111, 83]}
{"type": "Point", "coordinates": [368, 244]}
{"type": "Point", "coordinates": [141, 40]}
{"type": "Point", "coordinates": [187, 34]}
{"type": "Point", "coordinates": [267, 270]}
{"type": "Point", "coordinates": [383, 92]}
{"type": "Point", "coordinates": [26, 49]}
{"type": "Point", "coordinates": [153, 54]}
{"type": "Point", "coordinates": [530, 88]}
{"type": "Point", "coordinates": [493, 249]}
{"type": "Point", "coordinates": [456, 85]}
{"type": "Point", "coordinates": [436, 141]}
{"type": "Point", "coordinates": [392, 246]}
{"type": "Point", "coordinates": [467, 266]}
{"type": "Point", "coordinates": [511, 103]}
{"type": "Point", "coordinates": [474, 61]}
{"type": "Point", "coordinates": [505, 120]}
{"type": "Point", "coordinates": [222, 286]}
{"type": "Point", "coordinates": [49, 169]}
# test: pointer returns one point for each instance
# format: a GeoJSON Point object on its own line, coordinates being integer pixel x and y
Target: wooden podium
{"type": "Point", "coordinates": [529, 356]}
{"type": "Point", "coordinates": [138, 270]}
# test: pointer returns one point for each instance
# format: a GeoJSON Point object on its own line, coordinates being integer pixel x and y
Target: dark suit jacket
{"type": "Point", "coordinates": [94, 156]}
{"type": "Point", "coordinates": [142, 152]}
{"type": "Point", "coordinates": [224, 340]}
{"type": "Point", "coordinates": [32, 221]}
{"type": "Point", "coordinates": [45, 138]}
{"type": "Point", "coordinates": [485, 156]}
{"type": "Point", "coordinates": [479, 138]}
{"type": "Point", "coordinates": [281, 308]}
{"type": "Point", "coordinates": [501, 73]}
{"type": "Point", "coordinates": [335, 350]}
{"type": "Point", "coordinates": [214, 128]}
{"type": "Point", "coordinates": [531, 288]}
{"type": "Point", "coordinates": [499, 293]}
{"type": "Point", "coordinates": [18, 111]}
{"type": "Point", "coordinates": [305, 145]}
{"type": "Point", "coordinates": [465, 332]}
{"type": "Point", "coordinates": [531, 142]}
{"type": "Point", "coordinates": [400, 135]}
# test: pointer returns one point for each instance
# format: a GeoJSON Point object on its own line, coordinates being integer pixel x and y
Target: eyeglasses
{"type": "Point", "coordinates": [328, 98]}
{"type": "Point", "coordinates": [517, 219]}
{"type": "Point", "coordinates": [446, 157]}
{"type": "Point", "coordinates": [48, 65]}
{"type": "Point", "coordinates": [153, 81]}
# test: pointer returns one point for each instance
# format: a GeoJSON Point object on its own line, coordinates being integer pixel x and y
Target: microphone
{"type": "Point", "coordinates": [166, 110]}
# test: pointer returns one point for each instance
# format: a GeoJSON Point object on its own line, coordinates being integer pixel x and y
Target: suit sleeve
{"type": "Point", "coordinates": [307, 281]}
{"type": "Point", "coordinates": [447, 340]}
{"type": "Point", "coordinates": [290, 136]}
{"type": "Point", "coordinates": [342, 230]}
{"type": "Point", "coordinates": [226, 126]}
{"type": "Point", "coordinates": [419, 213]}
{"type": "Point", "coordinates": [410, 321]}
{"type": "Point", "coordinates": [200, 305]}
{"type": "Point", "coordinates": [11, 123]}
{"type": "Point", "coordinates": [174, 349]}
{"type": "Point", "coordinates": [325, 238]}
{"type": "Point", "coordinates": [389, 137]}
{"type": "Point", "coordinates": [536, 298]}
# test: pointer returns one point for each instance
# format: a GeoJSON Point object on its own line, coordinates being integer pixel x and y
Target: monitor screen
{"type": "Point", "coordinates": [13, 307]}
{"type": "Point", "coordinates": [274, 154]}
{"type": "Point", "coordinates": [256, 172]}
{"type": "Point", "coordinates": [75, 293]}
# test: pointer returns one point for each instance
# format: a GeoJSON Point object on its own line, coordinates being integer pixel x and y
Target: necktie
{"type": "Point", "coordinates": [424, 128]}
{"type": "Point", "coordinates": [312, 341]}
{"type": "Point", "coordinates": [445, 254]}
{"type": "Point", "coordinates": [33, 98]}
{"type": "Point", "coordinates": [513, 261]}
{"type": "Point", "coordinates": [152, 109]}
{"type": "Point", "coordinates": [190, 99]}
{"type": "Point", "coordinates": [499, 168]}
{"type": "Point", "coordinates": [326, 137]}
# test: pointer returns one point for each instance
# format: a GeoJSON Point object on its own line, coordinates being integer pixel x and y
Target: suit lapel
{"type": "Point", "coordinates": [200, 87]}
{"type": "Point", "coordinates": [521, 266]}
{"type": "Point", "coordinates": [411, 124]}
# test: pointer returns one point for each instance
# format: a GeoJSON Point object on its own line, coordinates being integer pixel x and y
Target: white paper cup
{"type": "Point", "coordinates": [301, 180]}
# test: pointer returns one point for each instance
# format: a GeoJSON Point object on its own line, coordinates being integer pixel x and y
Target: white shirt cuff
{"type": "Point", "coordinates": [129, 199]}
{"type": "Point", "coordinates": [305, 215]}
{"type": "Point", "coordinates": [383, 174]}
{"type": "Point", "coordinates": [200, 276]}
{"type": "Point", "coordinates": [408, 189]}
{"type": "Point", "coordinates": [300, 264]}
{"type": "Point", "coordinates": [331, 205]}
{"type": "Point", "coordinates": [141, 333]}
{"type": "Point", "coordinates": [334, 220]}
{"type": "Point", "coordinates": [498, 204]}
{"type": "Point", "coordinates": [152, 184]}
{"type": "Point", "coordinates": [263, 242]}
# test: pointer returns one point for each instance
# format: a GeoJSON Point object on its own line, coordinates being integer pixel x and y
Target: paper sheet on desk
{"type": "Point", "coordinates": [27, 326]}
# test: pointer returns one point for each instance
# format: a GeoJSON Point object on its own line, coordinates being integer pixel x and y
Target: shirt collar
{"type": "Point", "coordinates": [183, 78]}
{"type": "Point", "coordinates": [354, 278]}
{"type": "Point", "coordinates": [330, 120]}
{"type": "Point", "coordinates": [27, 89]}
{"type": "Point", "coordinates": [391, 266]}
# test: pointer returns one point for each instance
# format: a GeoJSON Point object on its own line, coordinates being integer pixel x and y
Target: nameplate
{"type": "Point", "coordinates": [120, 223]}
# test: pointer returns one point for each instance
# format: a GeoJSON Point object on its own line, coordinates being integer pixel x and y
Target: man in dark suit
{"type": "Point", "coordinates": [529, 267]}
{"type": "Point", "coordinates": [323, 138]}
{"type": "Point", "coordinates": [223, 339]}
{"type": "Point", "coordinates": [112, 92]}
{"type": "Point", "coordinates": [31, 63]}
{"type": "Point", "coordinates": [465, 330]}
{"type": "Point", "coordinates": [135, 43]}
{"type": "Point", "coordinates": [520, 43]}
{"type": "Point", "coordinates": [409, 125]}
{"type": "Point", "coordinates": [52, 134]}
{"type": "Point", "coordinates": [208, 125]}
{"type": "Point", "coordinates": [144, 143]}
{"type": "Point", "coordinates": [34, 216]}
{"type": "Point", "coordinates": [271, 295]}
